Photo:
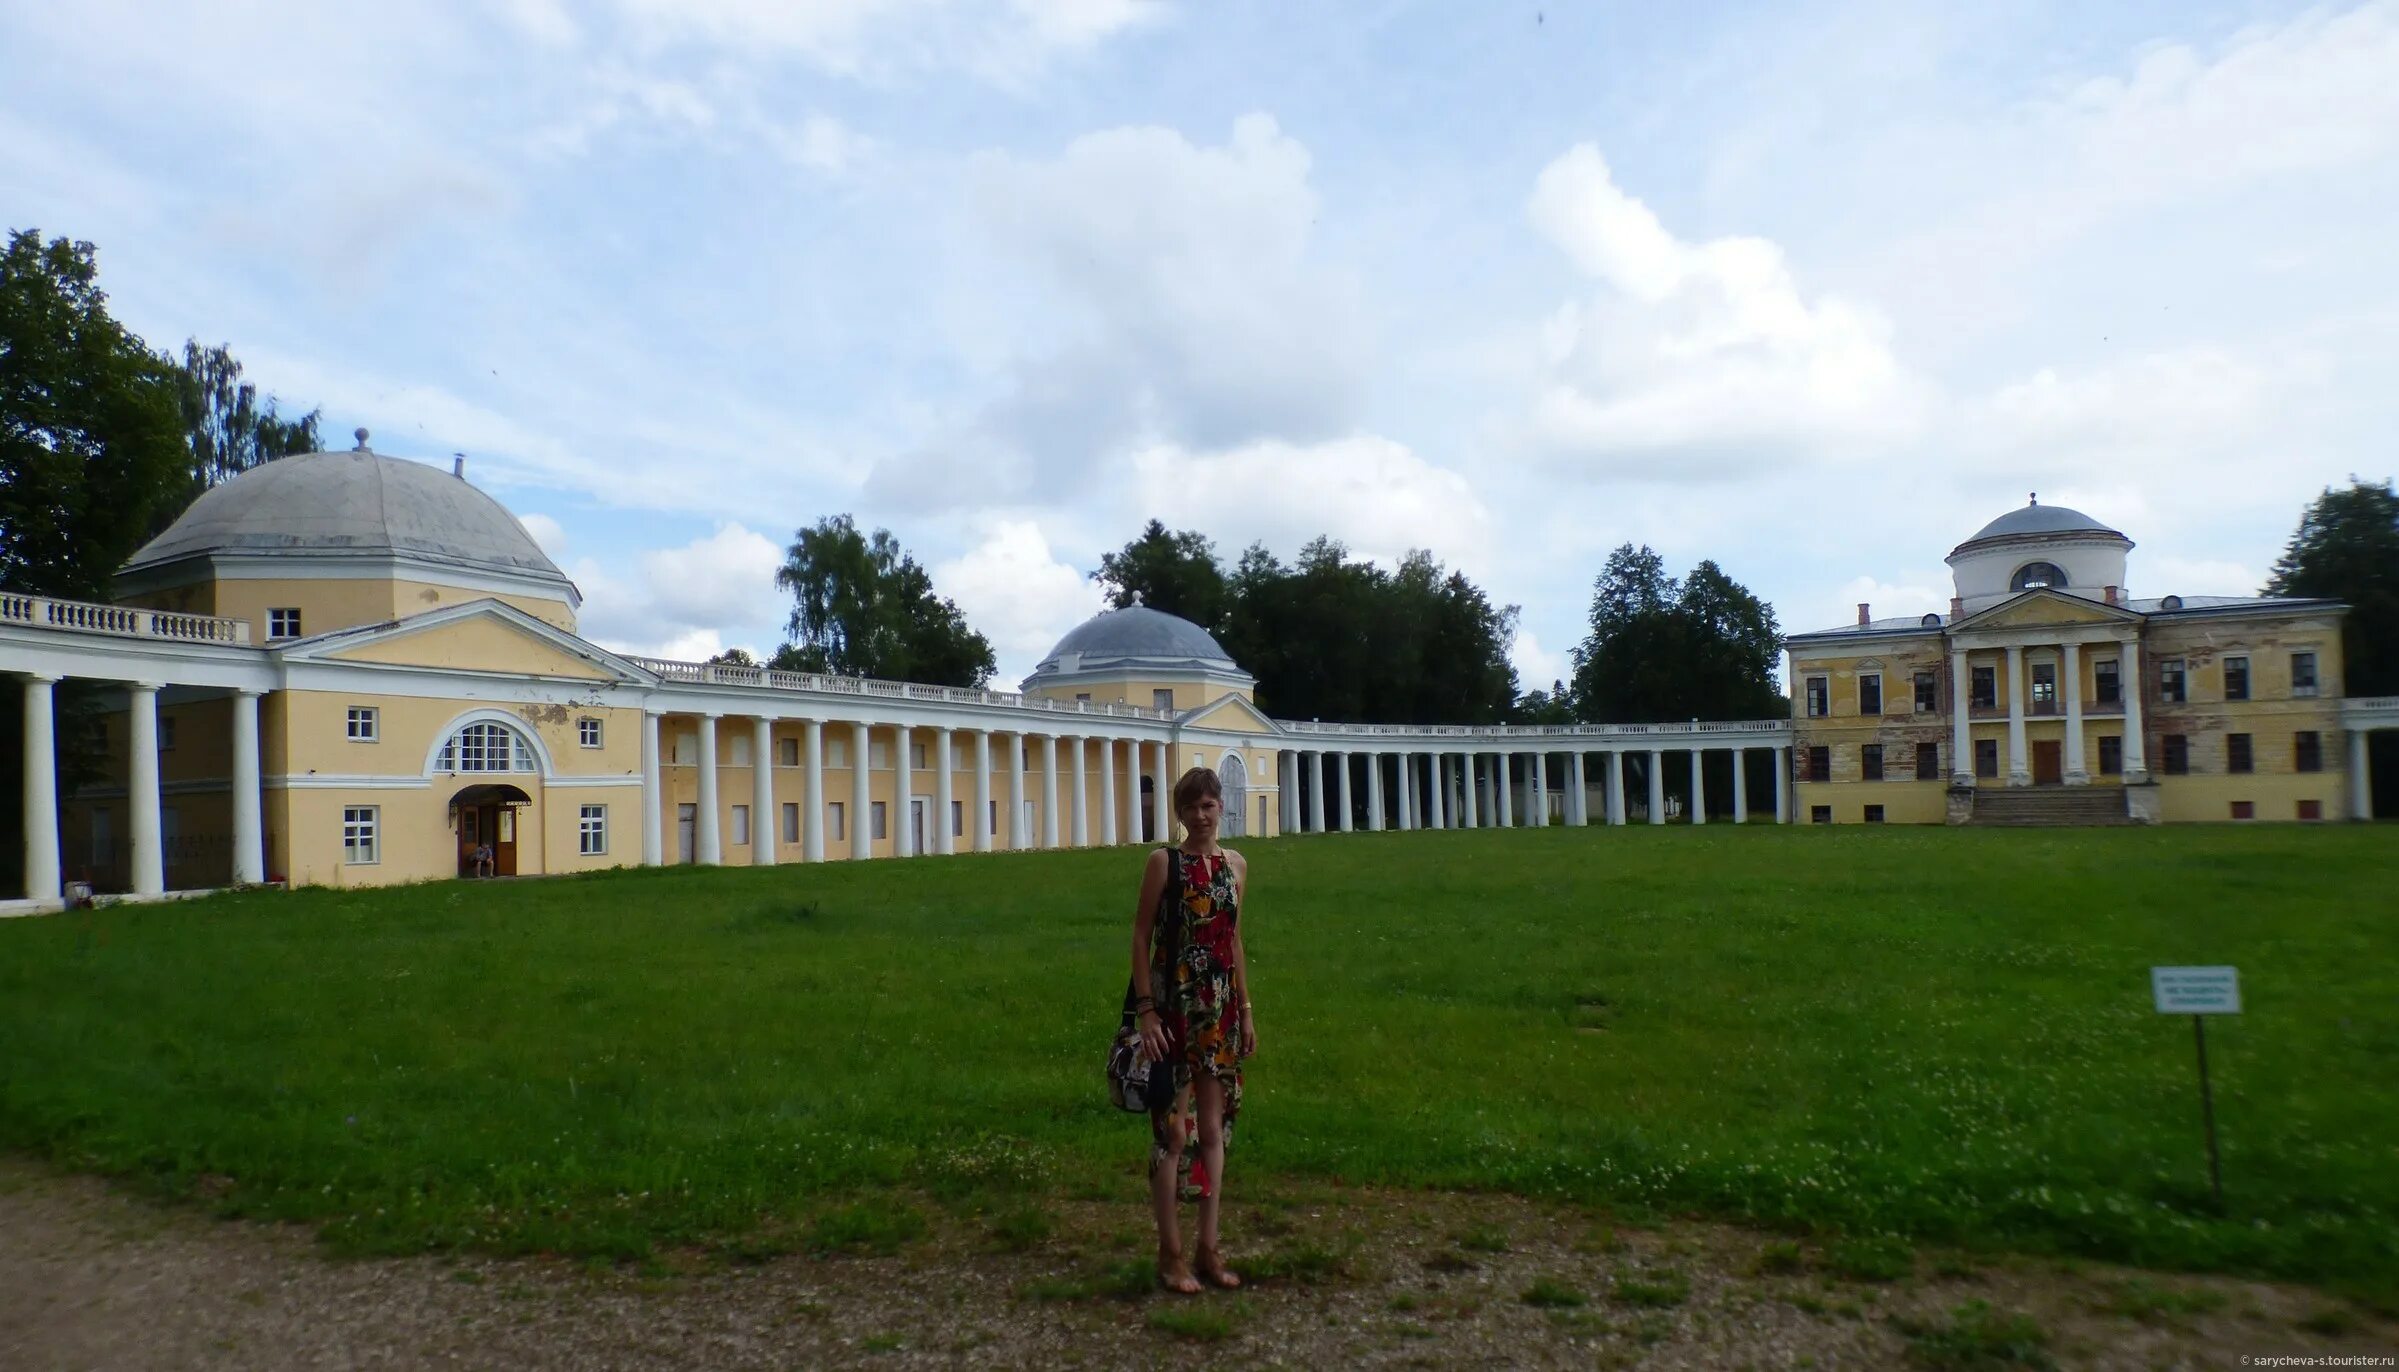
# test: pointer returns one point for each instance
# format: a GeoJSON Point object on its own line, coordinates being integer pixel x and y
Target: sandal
{"type": "Point", "coordinates": [1211, 1266]}
{"type": "Point", "coordinates": [1174, 1276]}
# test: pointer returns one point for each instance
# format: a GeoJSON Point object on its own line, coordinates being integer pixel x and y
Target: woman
{"type": "Point", "coordinates": [1191, 989]}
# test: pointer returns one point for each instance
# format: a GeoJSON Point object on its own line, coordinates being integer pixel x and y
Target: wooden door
{"type": "Point", "coordinates": [2046, 768]}
{"type": "Point", "coordinates": [503, 848]}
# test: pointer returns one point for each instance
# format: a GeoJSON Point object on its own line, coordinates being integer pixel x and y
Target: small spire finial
{"type": "Point", "coordinates": [2036, 497]}
{"type": "Point", "coordinates": [361, 434]}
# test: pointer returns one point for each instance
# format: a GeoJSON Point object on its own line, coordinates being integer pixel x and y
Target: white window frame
{"type": "Point", "coordinates": [362, 833]}
{"type": "Point", "coordinates": [519, 756]}
{"type": "Point", "coordinates": [791, 821]}
{"type": "Point", "coordinates": [1815, 692]}
{"type": "Point", "coordinates": [590, 732]}
{"type": "Point", "coordinates": [364, 724]}
{"type": "Point", "coordinates": [880, 818]}
{"type": "Point", "coordinates": [2248, 677]}
{"type": "Point", "coordinates": [837, 822]}
{"type": "Point", "coordinates": [283, 621]}
{"type": "Point", "coordinates": [591, 830]}
{"type": "Point", "coordinates": [741, 824]}
{"type": "Point", "coordinates": [1880, 701]}
{"type": "Point", "coordinates": [2315, 677]}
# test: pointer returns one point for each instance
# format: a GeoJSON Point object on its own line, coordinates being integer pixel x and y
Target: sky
{"type": "Point", "coordinates": [1810, 290]}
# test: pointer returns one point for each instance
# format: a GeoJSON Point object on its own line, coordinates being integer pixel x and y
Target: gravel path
{"type": "Point", "coordinates": [90, 1278]}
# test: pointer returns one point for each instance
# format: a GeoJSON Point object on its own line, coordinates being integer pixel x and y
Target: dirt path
{"type": "Point", "coordinates": [90, 1278]}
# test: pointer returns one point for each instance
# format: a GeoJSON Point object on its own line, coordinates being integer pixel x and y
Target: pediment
{"type": "Point", "coordinates": [2042, 609]}
{"type": "Point", "coordinates": [486, 636]}
{"type": "Point", "coordinates": [1232, 714]}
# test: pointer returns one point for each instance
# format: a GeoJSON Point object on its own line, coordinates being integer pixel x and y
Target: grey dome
{"type": "Point", "coordinates": [2037, 519]}
{"type": "Point", "coordinates": [353, 503]}
{"type": "Point", "coordinates": [1136, 632]}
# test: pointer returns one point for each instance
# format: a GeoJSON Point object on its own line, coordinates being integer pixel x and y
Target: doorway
{"type": "Point", "coordinates": [2047, 769]}
{"type": "Point", "coordinates": [485, 820]}
{"type": "Point", "coordinates": [687, 823]}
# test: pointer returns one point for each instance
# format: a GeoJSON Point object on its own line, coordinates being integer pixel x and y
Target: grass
{"type": "Point", "coordinates": [1654, 1291]}
{"type": "Point", "coordinates": [1551, 1293]}
{"type": "Point", "coordinates": [1977, 1337]}
{"type": "Point", "coordinates": [1940, 1036]}
{"type": "Point", "coordinates": [1210, 1323]}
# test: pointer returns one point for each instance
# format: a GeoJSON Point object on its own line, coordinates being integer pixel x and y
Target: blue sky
{"type": "Point", "coordinates": [1814, 290]}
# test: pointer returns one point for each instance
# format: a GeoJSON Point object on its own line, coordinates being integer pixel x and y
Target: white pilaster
{"type": "Point", "coordinates": [653, 843]}
{"type": "Point", "coordinates": [1049, 790]}
{"type": "Point", "coordinates": [979, 823]}
{"type": "Point", "coordinates": [1107, 792]}
{"type": "Point", "coordinates": [1657, 787]}
{"type": "Point", "coordinates": [2070, 667]}
{"type": "Point", "coordinates": [766, 820]}
{"type": "Point", "coordinates": [249, 852]}
{"type": "Point", "coordinates": [2018, 772]}
{"type": "Point", "coordinates": [1082, 792]}
{"type": "Point", "coordinates": [1374, 793]}
{"type": "Point", "coordinates": [708, 842]}
{"type": "Point", "coordinates": [1961, 720]}
{"type": "Point", "coordinates": [862, 793]}
{"type": "Point", "coordinates": [1699, 786]}
{"type": "Point", "coordinates": [2136, 749]}
{"type": "Point", "coordinates": [1740, 786]}
{"type": "Point", "coordinates": [41, 789]}
{"type": "Point", "coordinates": [945, 757]}
{"type": "Point", "coordinates": [812, 811]}
{"type": "Point", "coordinates": [141, 788]}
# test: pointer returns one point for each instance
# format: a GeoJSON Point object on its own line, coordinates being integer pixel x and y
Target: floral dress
{"type": "Point", "coordinates": [1199, 1004]}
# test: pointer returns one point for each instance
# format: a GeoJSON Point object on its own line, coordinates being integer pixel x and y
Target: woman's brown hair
{"type": "Point", "coordinates": [1197, 784]}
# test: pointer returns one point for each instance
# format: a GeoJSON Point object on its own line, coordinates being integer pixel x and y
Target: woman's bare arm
{"type": "Point", "coordinates": [1153, 885]}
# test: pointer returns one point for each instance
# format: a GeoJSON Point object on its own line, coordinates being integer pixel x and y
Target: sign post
{"type": "Point", "coordinates": [2200, 992]}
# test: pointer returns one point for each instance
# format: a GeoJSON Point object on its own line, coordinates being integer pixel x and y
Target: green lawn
{"type": "Point", "coordinates": [1943, 1034]}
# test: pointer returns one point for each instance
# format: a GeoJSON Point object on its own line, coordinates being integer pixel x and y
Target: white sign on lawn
{"type": "Point", "coordinates": [2196, 990]}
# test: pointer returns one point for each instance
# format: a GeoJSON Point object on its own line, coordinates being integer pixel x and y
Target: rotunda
{"type": "Point", "coordinates": [2039, 547]}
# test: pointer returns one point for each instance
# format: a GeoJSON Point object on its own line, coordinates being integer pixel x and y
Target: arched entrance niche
{"type": "Point", "coordinates": [1235, 779]}
{"type": "Point", "coordinates": [493, 766]}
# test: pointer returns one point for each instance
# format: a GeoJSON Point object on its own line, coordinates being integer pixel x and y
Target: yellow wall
{"type": "Point", "coordinates": [480, 644]}
{"type": "Point", "coordinates": [1188, 695]}
{"type": "Point", "coordinates": [1903, 802]}
{"type": "Point", "coordinates": [329, 604]}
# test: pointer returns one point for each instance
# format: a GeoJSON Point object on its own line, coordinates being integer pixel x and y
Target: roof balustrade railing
{"type": "Point", "coordinates": [122, 621]}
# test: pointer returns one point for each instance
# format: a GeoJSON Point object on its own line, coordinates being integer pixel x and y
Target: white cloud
{"type": "Point", "coordinates": [1017, 593]}
{"type": "Point", "coordinates": [1536, 666]}
{"type": "Point", "coordinates": [2157, 404]}
{"type": "Point", "coordinates": [2168, 574]}
{"type": "Point", "coordinates": [1007, 44]}
{"type": "Point", "coordinates": [548, 534]}
{"type": "Point", "coordinates": [715, 589]}
{"type": "Point", "coordinates": [1367, 491]}
{"type": "Point", "coordinates": [1707, 351]}
{"type": "Point", "coordinates": [822, 143]}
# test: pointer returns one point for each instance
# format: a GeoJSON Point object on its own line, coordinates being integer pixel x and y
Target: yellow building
{"type": "Point", "coordinates": [2049, 694]}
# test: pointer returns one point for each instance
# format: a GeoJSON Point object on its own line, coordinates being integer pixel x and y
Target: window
{"type": "Point", "coordinates": [2111, 755]}
{"type": "Point", "coordinates": [787, 752]}
{"type": "Point", "coordinates": [2307, 751]}
{"type": "Point", "coordinates": [837, 821]}
{"type": "Point", "coordinates": [1928, 691]}
{"type": "Point", "coordinates": [1874, 814]}
{"type": "Point", "coordinates": [591, 830]}
{"type": "Point", "coordinates": [365, 724]}
{"type": "Point", "coordinates": [686, 749]}
{"type": "Point", "coordinates": [878, 757]}
{"type": "Point", "coordinates": [2237, 758]}
{"type": "Point", "coordinates": [484, 748]}
{"type": "Point", "coordinates": [1820, 697]}
{"type": "Point", "coordinates": [741, 824]}
{"type": "Point", "coordinates": [283, 623]}
{"type": "Point", "coordinates": [837, 753]}
{"type": "Point", "coordinates": [876, 811]}
{"type": "Point", "coordinates": [2303, 674]}
{"type": "Point", "coordinates": [920, 755]}
{"type": "Point", "coordinates": [1820, 763]}
{"type": "Point", "coordinates": [587, 731]}
{"type": "Point", "coordinates": [1870, 762]}
{"type": "Point", "coordinates": [359, 826]}
{"type": "Point", "coordinates": [2170, 685]}
{"type": "Point", "coordinates": [1986, 688]}
{"type": "Point", "coordinates": [2236, 678]}
{"type": "Point", "coordinates": [2033, 575]}
{"type": "Point", "coordinates": [957, 819]}
{"type": "Point", "coordinates": [1986, 757]}
{"type": "Point", "coordinates": [2044, 687]}
{"type": "Point", "coordinates": [2311, 809]}
{"type": "Point", "coordinates": [1870, 693]}
{"type": "Point", "coordinates": [1162, 699]}
{"type": "Point", "coordinates": [2108, 686]}
{"type": "Point", "coordinates": [2244, 809]}
{"type": "Point", "coordinates": [791, 821]}
{"type": "Point", "coordinates": [738, 753]}
{"type": "Point", "coordinates": [1820, 814]}
{"type": "Point", "coordinates": [992, 818]}
{"type": "Point", "coordinates": [2175, 751]}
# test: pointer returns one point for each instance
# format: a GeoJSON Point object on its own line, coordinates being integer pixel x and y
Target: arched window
{"type": "Point", "coordinates": [2036, 574]}
{"type": "Point", "coordinates": [484, 748]}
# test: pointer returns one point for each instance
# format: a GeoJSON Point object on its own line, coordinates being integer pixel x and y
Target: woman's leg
{"type": "Point", "coordinates": [1208, 1097]}
{"type": "Point", "coordinates": [1166, 1159]}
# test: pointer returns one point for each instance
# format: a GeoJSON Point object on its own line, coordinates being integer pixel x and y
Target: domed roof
{"type": "Point", "coordinates": [2039, 519]}
{"type": "Point", "coordinates": [1135, 632]}
{"type": "Point", "coordinates": [349, 503]}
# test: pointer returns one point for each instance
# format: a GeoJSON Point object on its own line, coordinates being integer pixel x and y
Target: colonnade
{"type": "Point", "coordinates": [1454, 788]}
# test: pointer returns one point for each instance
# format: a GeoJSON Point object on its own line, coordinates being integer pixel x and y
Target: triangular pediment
{"type": "Point", "coordinates": [2040, 609]}
{"type": "Point", "coordinates": [484, 636]}
{"type": "Point", "coordinates": [1232, 714]}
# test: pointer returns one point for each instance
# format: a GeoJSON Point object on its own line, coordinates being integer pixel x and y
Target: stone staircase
{"type": "Point", "coordinates": [2034, 806]}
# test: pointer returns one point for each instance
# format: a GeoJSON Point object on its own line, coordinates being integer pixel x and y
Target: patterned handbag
{"type": "Point", "coordinates": [1132, 1086]}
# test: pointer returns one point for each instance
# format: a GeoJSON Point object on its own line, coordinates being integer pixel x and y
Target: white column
{"type": "Point", "coordinates": [1740, 787]}
{"type": "Point", "coordinates": [1082, 793]}
{"type": "Point", "coordinates": [862, 794]}
{"type": "Point", "coordinates": [1582, 793]}
{"type": "Point", "coordinates": [1374, 792]}
{"type": "Point", "coordinates": [1341, 791]}
{"type": "Point", "coordinates": [1501, 789]}
{"type": "Point", "coordinates": [2136, 750]}
{"type": "Point", "coordinates": [1316, 793]}
{"type": "Point", "coordinates": [2018, 772]}
{"type": "Point", "coordinates": [1961, 720]}
{"type": "Point", "coordinates": [903, 792]}
{"type": "Point", "coordinates": [653, 843]}
{"type": "Point", "coordinates": [1133, 791]}
{"type": "Point", "coordinates": [141, 789]}
{"type": "Point", "coordinates": [2361, 777]}
{"type": "Point", "coordinates": [1657, 787]}
{"type": "Point", "coordinates": [2070, 666]}
{"type": "Point", "coordinates": [1162, 799]}
{"type": "Point", "coordinates": [944, 793]}
{"type": "Point", "coordinates": [1286, 791]}
{"type": "Point", "coordinates": [41, 789]}
{"type": "Point", "coordinates": [708, 846]}
{"type": "Point", "coordinates": [1440, 790]}
{"type": "Point", "coordinates": [1049, 790]}
{"type": "Point", "coordinates": [1537, 800]}
{"type": "Point", "coordinates": [1782, 784]}
{"type": "Point", "coordinates": [1020, 836]}
{"type": "Point", "coordinates": [249, 853]}
{"type": "Point", "coordinates": [1108, 792]}
{"type": "Point", "coordinates": [812, 813]}
{"type": "Point", "coordinates": [766, 822]}
{"type": "Point", "coordinates": [1616, 806]}
{"type": "Point", "coordinates": [1470, 768]}
{"type": "Point", "coordinates": [979, 823]}
{"type": "Point", "coordinates": [1403, 774]}
{"type": "Point", "coordinates": [1699, 786]}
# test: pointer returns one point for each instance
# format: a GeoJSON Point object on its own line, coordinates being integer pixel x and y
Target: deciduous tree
{"type": "Point", "coordinates": [863, 607]}
{"type": "Point", "coordinates": [2347, 548]}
